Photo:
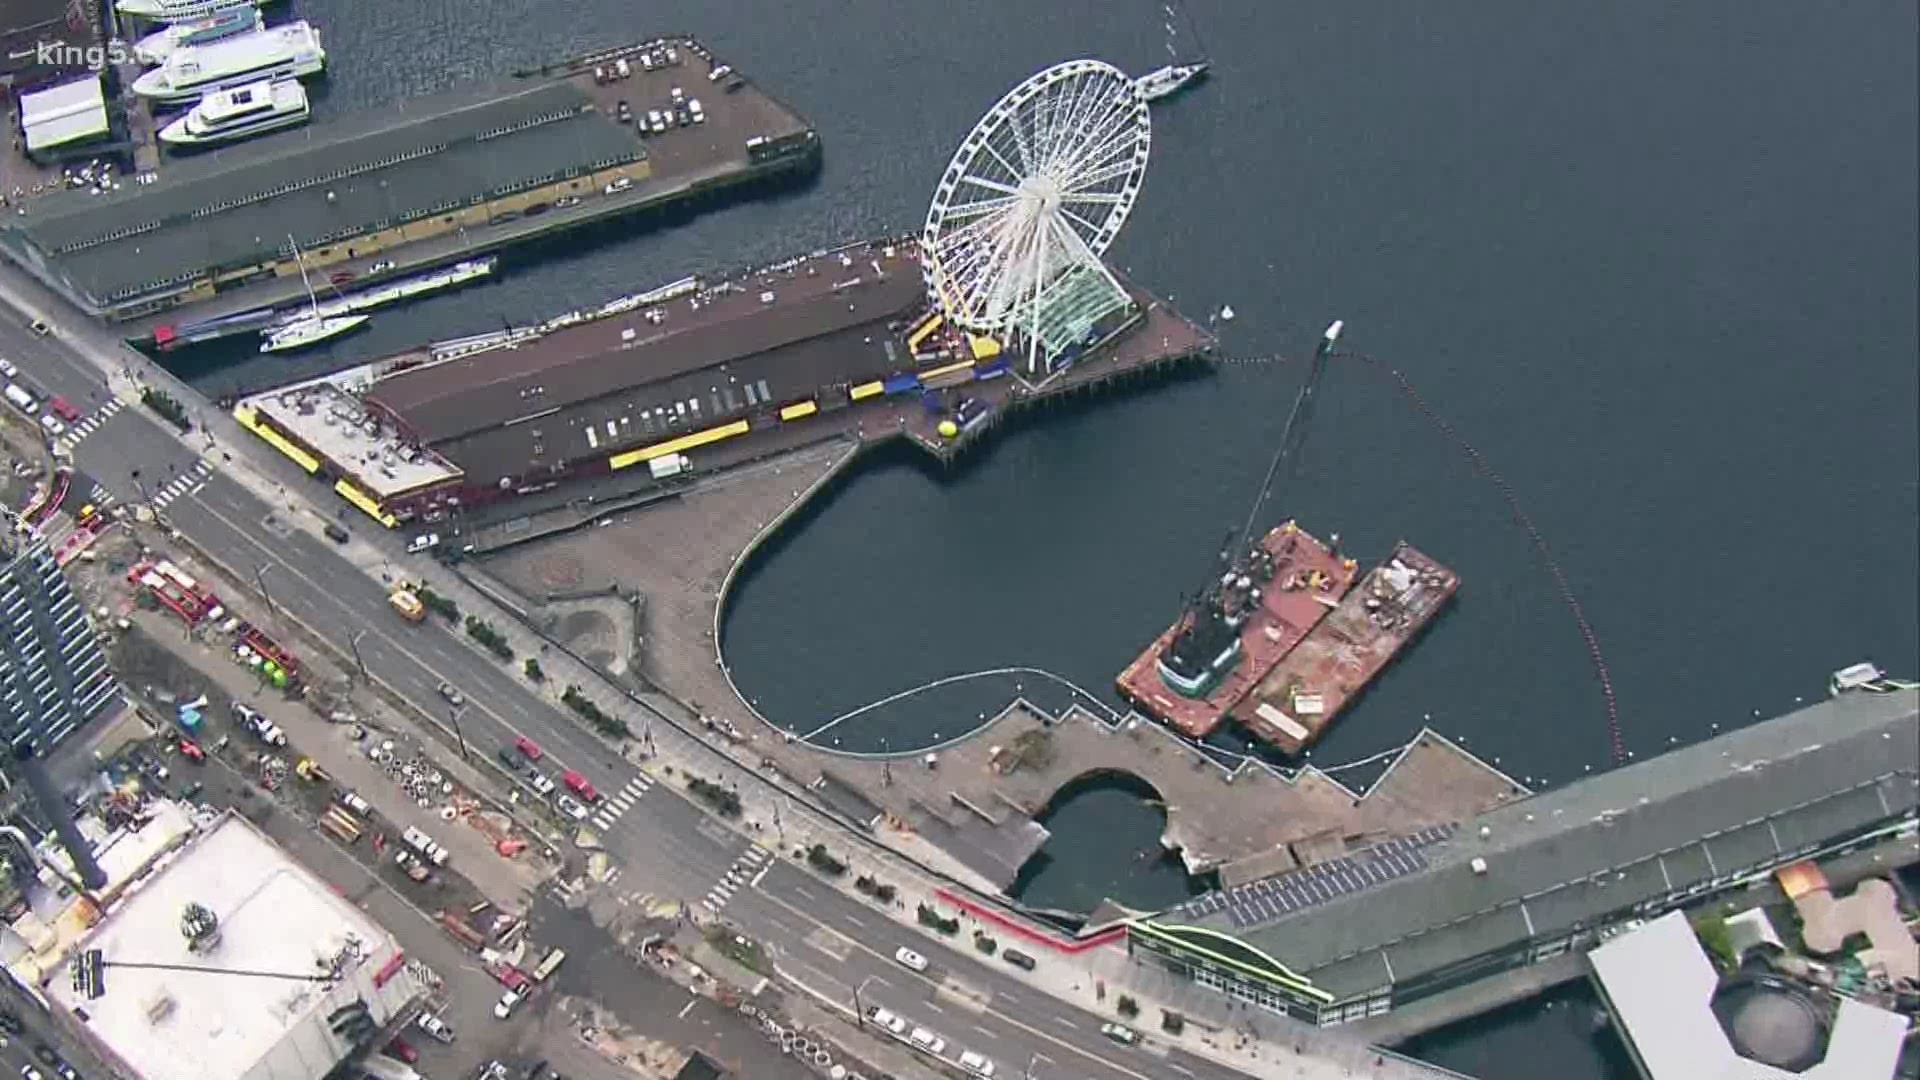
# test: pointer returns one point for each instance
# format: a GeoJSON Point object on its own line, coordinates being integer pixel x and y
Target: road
{"type": "Point", "coordinates": [663, 843]}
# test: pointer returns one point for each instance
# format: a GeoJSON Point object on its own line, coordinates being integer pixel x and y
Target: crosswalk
{"type": "Point", "coordinates": [63, 446]}
{"type": "Point", "coordinates": [187, 483]}
{"type": "Point", "coordinates": [620, 802]}
{"type": "Point", "coordinates": [100, 497]}
{"type": "Point", "coordinates": [750, 862]}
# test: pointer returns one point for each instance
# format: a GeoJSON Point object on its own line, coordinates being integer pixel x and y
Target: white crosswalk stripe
{"type": "Point", "coordinates": [190, 481]}
{"type": "Point", "coordinates": [735, 879]}
{"type": "Point", "coordinates": [86, 426]}
{"type": "Point", "coordinates": [620, 802]}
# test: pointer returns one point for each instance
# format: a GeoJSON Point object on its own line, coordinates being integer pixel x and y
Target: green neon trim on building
{"type": "Point", "coordinates": [1280, 973]}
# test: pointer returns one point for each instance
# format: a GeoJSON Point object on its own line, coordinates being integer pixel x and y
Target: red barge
{"type": "Point", "coordinates": [1286, 641]}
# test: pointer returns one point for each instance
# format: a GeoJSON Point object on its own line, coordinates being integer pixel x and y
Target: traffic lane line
{"type": "Point", "coordinates": [988, 1011]}
{"type": "Point", "coordinates": [320, 597]}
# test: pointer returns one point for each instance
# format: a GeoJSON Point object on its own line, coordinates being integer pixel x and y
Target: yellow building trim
{"type": "Point", "coordinates": [675, 446]}
{"type": "Point", "coordinates": [799, 410]}
{"type": "Point", "coordinates": [926, 328]}
{"type": "Point", "coordinates": [249, 419]}
{"type": "Point", "coordinates": [867, 390]}
{"type": "Point", "coordinates": [948, 370]}
{"type": "Point", "coordinates": [366, 504]}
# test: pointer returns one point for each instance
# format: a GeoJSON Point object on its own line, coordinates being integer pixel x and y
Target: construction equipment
{"type": "Point", "coordinates": [311, 772]}
{"type": "Point", "coordinates": [408, 605]}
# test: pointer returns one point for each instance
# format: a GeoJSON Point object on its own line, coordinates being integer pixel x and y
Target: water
{"type": "Point", "coordinates": [1656, 261]}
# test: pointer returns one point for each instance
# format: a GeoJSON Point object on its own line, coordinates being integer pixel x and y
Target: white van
{"type": "Point", "coordinates": [21, 399]}
{"type": "Point", "coordinates": [424, 844]}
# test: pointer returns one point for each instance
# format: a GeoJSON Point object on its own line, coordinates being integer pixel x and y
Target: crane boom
{"type": "Point", "coordinates": [1293, 434]}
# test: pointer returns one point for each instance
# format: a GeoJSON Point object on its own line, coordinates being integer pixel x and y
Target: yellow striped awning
{"type": "Point", "coordinates": [798, 410]}
{"type": "Point", "coordinates": [249, 418]}
{"type": "Point", "coordinates": [674, 446]}
{"type": "Point", "coordinates": [365, 504]}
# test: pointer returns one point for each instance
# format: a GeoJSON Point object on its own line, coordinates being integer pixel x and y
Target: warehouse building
{"type": "Point", "coordinates": [1378, 928]}
{"type": "Point", "coordinates": [341, 189]}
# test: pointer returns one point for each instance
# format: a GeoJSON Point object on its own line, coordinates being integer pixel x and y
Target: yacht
{"type": "Point", "coordinates": [240, 113]}
{"type": "Point", "coordinates": [156, 47]}
{"type": "Point", "coordinates": [194, 71]}
{"type": "Point", "coordinates": [1161, 82]}
{"type": "Point", "coordinates": [172, 11]}
{"type": "Point", "coordinates": [311, 327]}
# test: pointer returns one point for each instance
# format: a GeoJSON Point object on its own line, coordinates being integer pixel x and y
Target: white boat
{"type": "Point", "coordinates": [172, 11]}
{"type": "Point", "coordinates": [394, 292]}
{"type": "Point", "coordinates": [1160, 82]}
{"type": "Point", "coordinates": [240, 113]}
{"type": "Point", "coordinates": [156, 47]}
{"type": "Point", "coordinates": [194, 71]}
{"type": "Point", "coordinates": [311, 328]}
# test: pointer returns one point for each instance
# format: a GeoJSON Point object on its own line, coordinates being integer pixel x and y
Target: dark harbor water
{"type": "Point", "coordinates": [1655, 261]}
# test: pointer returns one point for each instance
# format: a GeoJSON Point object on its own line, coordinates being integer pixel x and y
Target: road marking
{"type": "Point", "coordinates": [689, 1008]}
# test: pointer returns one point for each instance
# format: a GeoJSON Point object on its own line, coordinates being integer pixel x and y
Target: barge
{"type": "Point", "coordinates": [1285, 640]}
{"type": "Point", "coordinates": [1299, 697]}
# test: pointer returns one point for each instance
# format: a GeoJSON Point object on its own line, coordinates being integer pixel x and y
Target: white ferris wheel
{"type": "Point", "coordinates": [1030, 201]}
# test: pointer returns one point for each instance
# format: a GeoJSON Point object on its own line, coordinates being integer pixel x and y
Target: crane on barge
{"type": "Point", "coordinates": [1208, 641]}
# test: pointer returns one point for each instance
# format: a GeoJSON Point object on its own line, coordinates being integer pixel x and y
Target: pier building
{"type": "Point", "coordinates": [1355, 937]}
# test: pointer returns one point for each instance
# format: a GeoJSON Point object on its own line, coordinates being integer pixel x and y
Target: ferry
{"type": "Point", "coordinates": [156, 47]}
{"type": "Point", "coordinates": [192, 72]}
{"type": "Point", "coordinates": [173, 11]}
{"type": "Point", "coordinates": [240, 113]}
{"type": "Point", "coordinates": [1161, 82]}
{"type": "Point", "coordinates": [309, 330]}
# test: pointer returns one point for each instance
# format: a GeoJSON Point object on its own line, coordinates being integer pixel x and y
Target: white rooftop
{"type": "Point", "coordinates": [274, 916]}
{"type": "Point", "coordinates": [335, 422]}
{"type": "Point", "coordinates": [65, 113]}
{"type": "Point", "coordinates": [1659, 985]}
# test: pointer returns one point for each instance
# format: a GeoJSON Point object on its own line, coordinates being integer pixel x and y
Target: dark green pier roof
{"type": "Point", "coordinates": [325, 182]}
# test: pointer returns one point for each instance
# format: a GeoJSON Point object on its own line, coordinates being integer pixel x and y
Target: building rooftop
{"type": "Point", "coordinates": [332, 179]}
{"type": "Point", "coordinates": [1660, 985]}
{"type": "Point", "coordinates": [358, 440]}
{"type": "Point", "coordinates": [274, 916]}
{"type": "Point", "coordinates": [631, 379]}
{"type": "Point", "coordinates": [1554, 862]}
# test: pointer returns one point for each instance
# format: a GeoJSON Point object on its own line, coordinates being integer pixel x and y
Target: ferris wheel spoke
{"type": "Point", "coordinates": [1088, 107]}
{"type": "Point", "coordinates": [990, 184]}
{"type": "Point", "coordinates": [1092, 229]}
{"type": "Point", "coordinates": [1096, 177]}
{"type": "Point", "coordinates": [1111, 140]}
{"type": "Point", "coordinates": [984, 206]}
{"type": "Point", "coordinates": [987, 145]}
{"type": "Point", "coordinates": [1104, 198]}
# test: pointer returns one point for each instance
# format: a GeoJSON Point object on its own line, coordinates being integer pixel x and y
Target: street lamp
{"type": "Point", "coordinates": [260, 579]}
{"type": "Point", "coordinates": [859, 1011]}
{"type": "Point", "coordinates": [453, 718]}
{"type": "Point", "coordinates": [1031, 1062]}
{"type": "Point", "coordinates": [353, 642]}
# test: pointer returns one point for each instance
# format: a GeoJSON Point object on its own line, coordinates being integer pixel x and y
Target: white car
{"type": "Point", "coordinates": [264, 729]}
{"type": "Point", "coordinates": [570, 808]}
{"type": "Point", "coordinates": [7, 369]}
{"type": "Point", "coordinates": [435, 1027]}
{"type": "Point", "coordinates": [976, 1063]}
{"type": "Point", "coordinates": [507, 1003]}
{"type": "Point", "coordinates": [52, 424]}
{"type": "Point", "coordinates": [543, 783]}
{"type": "Point", "coordinates": [910, 959]}
{"type": "Point", "coordinates": [928, 1041]}
{"type": "Point", "coordinates": [422, 542]}
{"type": "Point", "coordinates": [1120, 1033]}
{"type": "Point", "coordinates": [887, 1020]}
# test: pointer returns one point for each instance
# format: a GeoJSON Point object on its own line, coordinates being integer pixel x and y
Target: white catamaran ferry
{"type": "Point", "coordinates": [171, 11]}
{"type": "Point", "coordinates": [240, 113]}
{"type": "Point", "coordinates": [156, 47]}
{"type": "Point", "coordinates": [194, 71]}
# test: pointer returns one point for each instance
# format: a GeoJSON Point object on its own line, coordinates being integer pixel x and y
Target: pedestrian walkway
{"type": "Point", "coordinates": [85, 426]}
{"type": "Point", "coordinates": [187, 483]}
{"type": "Point", "coordinates": [620, 802]}
{"type": "Point", "coordinates": [100, 497]}
{"type": "Point", "coordinates": [748, 867]}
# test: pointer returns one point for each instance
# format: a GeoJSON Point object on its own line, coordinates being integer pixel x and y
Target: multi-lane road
{"type": "Point", "coordinates": [662, 842]}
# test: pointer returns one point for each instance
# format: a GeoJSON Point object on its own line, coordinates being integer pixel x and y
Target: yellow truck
{"type": "Point", "coordinates": [408, 605]}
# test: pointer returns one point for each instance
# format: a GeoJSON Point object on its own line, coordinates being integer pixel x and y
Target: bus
{"type": "Point", "coordinates": [549, 964]}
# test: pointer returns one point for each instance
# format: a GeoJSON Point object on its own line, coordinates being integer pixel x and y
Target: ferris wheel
{"type": "Point", "coordinates": [1030, 201]}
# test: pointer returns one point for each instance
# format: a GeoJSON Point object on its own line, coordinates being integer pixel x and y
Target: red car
{"type": "Point", "coordinates": [530, 748]}
{"type": "Point", "coordinates": [64, 409]}
{"type": "Point", "coordinates": [192, 752]}
{"type": "Point", "coordinates": [402, 1049]}
{"type": "Point", "coordinates": [582, 787]}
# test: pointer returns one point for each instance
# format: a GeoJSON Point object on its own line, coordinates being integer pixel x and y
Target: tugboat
{"type": "Point", "coordinates": [1171, 79]}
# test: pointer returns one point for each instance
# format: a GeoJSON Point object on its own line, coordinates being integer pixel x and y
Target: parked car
{"type": "Point", "coordinates": [7, 369]}
{"type": "Point", "coordinates": [452, 694]}
{"type": "Point", "coordinates": [530, 748]}
{"type": "Point", "coordinates": [570, 808]}
{"type": "Point", "coordinates": [887, 1020]}
{"type": "Point", "coordinates": [507, 1003]}
{"type": "Point", "coordinates": [10, 1023]}
{"type": "Point", "coordinates": [435, 1027]}
{"type": "Point", "coordinates": [927, 1040]}
{"type": "Point", "coordinates": [52, 424]}
{"type": "Point", "coordinates": [355, 803]}
{"type": "Point", "coordinates": [422, 542]}
{"type": "Point", "coordinates": [976, 1063]}
{"type": "Point", "coordinates": [192, 752]}
{"type": "Point", "coordinates": [509, 759]}
{"type": "Point", "coordinates": [402, 1050]}
{"type": "Point", "coordinates": [909, 959]}
{"type": "Point", "coordinates": [1017, 959]}
{"type": "Point", "coordinates": [335, 532]}
{"type": "Point", "coordinates": [262, 728]}
{"type": "Point", "coordinates": [64, 409]}
{"type": "Point", "coordinates": [1120, 1033]}
{"type": "Point", "coordinates": [381, 267]}
{"type": "Point", "coordinates": [542, 783]}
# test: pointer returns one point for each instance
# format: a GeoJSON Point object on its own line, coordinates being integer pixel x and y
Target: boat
{"type": "Point", "coordinates": [156, 47]}
{"type": "Point", "coordinates": [1161, 82]}
{"type": "Point", "coordinates": [173, 11]}
{"type": "Point", "coordinates": [240, 113]}
{"type": "Point", "coordinates": [311, 328]}
{"type": "Point", "coordinates": [460, 273]}
{"type": "Point", "coordinates": [194, 71]}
